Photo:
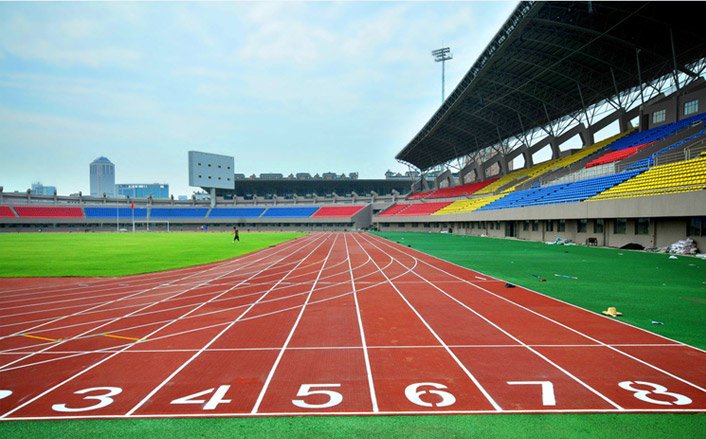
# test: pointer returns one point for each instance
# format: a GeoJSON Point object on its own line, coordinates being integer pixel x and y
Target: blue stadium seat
{"type": "Point", "coordinates": [290, 212]}
{"type": "Point", "coordinates": [236, 212]}
{"type": "Point", "coordinates": [178, 212]}
{"type": "Point", "coordinates": [573, 192]}
{"type": "Point", "coordinates": [115, 212]}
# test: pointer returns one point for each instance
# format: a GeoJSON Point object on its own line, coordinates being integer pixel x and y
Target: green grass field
{"type": "Point", "coordinates": [119, 254]}
{"type": "Point", "coordinates": [644, 286]}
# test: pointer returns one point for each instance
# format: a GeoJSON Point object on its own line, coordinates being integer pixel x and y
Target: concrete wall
{"type": "Point", "coordinates": [660, 231]}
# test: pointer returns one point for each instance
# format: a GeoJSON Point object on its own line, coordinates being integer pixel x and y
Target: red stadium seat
{"type": "Point", "coordinates": [420, 209]}
{"type": "Point", "coordinates": [615, 156]}
{"type": "Point", "coordinates": [6, 212]}
{"type": "Point", "coordinates": [337, 211]}
{"type": "Point", "coordinates": [48, 212]}
{"type": "Point", "coordinates": [453, 192]}
{"type": "Point", "coordinates": [394, 209]}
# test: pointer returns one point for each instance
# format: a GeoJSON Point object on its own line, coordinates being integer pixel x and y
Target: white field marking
{"type": "Point", "coordinates": [181, 333]}
{"type": "Point", "coordinates": [137, 305]}
{"type": "Point", "coordinates": [176, 275]}
{"type": "Point", "coordinates": [33, 328]}
{"type": "Point", "coordinates": [676, 342]}
{"type": "Point", "coordinates": [371, 385]}
{"type": "Point", "coordinates": [214, 339]}
{"type": "Point", "coordinates": [324, 348]}
{"type": "Point", "coordinates": [44, 309]}
{"type": "Point", "coordinates": [494, 325]}
{"type": "Point", "coordinates": [382, 413]}
{"type": "Point", "coordinates": [53, 345]}
{"type": "Point", "coordinates": [135, 279]}
{"type": "Point", "coordinates": [6, 367]}
{"type": "Point", "coordinates": [137, 313]}
{"type": "Point", "coordinates": [169, 299]}
{"type": "Point", "coordinates": [93, 309]}
{"type": "Point", "coordinates": [45, 302]}
{"type": "Point", "coordinates": [96, 364]}
{"type": "Point", "coordinates": [291, 333]}
{"type": "Point", "coordinates": [468, 373]}
{"type": "Point", "coordinates": [652, 366]}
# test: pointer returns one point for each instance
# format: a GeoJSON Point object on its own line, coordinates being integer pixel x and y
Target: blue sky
{"type": "Point", "coordinates": [283, 87]}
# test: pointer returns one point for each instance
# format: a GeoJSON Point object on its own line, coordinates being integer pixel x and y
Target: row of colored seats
{"type": "Point", "coordinates": [6, 212]}
{"type": "Point", "coordinates": [657, 133]}
{"type": "Point", "coordinates": [615, 156]}
{"type": "Point", "coordinates": [526, 175]}
{"type": "Point", "coordinates": [59, 212]}
{"type": "Point", "coordinates": [684, 176]}
{"type": "Point", "coordinates": [415, 209]}
{"type": "Point", "coordinates": [468, 205]}
{"type": "Point", "coordinates": [453, 192]}
{"type": "Point", "coordinates": [48, 212]}
{"type": "Point", "coordinates": [650, 161]}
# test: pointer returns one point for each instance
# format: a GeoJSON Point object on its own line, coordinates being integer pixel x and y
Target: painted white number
{"type": "Point", "coordinates": [548, 397]}
{"type": "Point", "coordinates": [103, 400]}
{"type": "Point", "coordinates": [211, 404]}
{"type": "Point", "coordinates": [5, 393]}
{"type": "Point", "coordinates": [334, 398]}
{"type": "Point", "coordinates": [642, 395]}
{"type": "Point", "coordinates": [414, 394]}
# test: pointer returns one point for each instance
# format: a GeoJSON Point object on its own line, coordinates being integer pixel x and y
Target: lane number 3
{"type": "Point", "coordinates": [104, 399]}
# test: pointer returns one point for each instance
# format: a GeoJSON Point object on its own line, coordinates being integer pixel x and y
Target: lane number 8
{"type": "Point", "coordinates": [643, 395]}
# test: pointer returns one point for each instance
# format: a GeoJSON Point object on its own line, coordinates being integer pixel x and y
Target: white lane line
{"type": "Point", "coordinates": [213, 268]}
{"type": "Point", "coordinates": [371, 385]}
{"type": "Point", "coordinates": [214, 339]}
{"type": "Point", "coordinates": [93, 329]}
{"type": "Point", "coordinates": [197, 329]}
{"type": "Point", "coordinates": [291, 334]}
{"type": "Point", "coordinates": [652, 366]}
{"type": "Point", "coordinates": [468, 373]}
{"type": "Point", "coordinates": [96, 364]}
{"type": "Point", "coordinates": [352, 413]}
{"type": "Point", "coordinates": [324, 348]}
{"type": "Point", "coordinates": [525, 345]}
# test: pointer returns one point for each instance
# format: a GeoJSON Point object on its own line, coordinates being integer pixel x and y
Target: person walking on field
{"type": "Point", "coordinates": [236, 237]}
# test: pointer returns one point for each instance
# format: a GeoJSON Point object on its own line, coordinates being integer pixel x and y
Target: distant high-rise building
{"type": "Point", "coordinates": [102, 177]}
{"type": "Point", "coordinates": [39, 189]}
{"type": "Point", "coordinates": [142, 190]}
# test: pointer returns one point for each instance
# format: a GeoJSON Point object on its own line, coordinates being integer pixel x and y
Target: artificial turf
{"type": "Point", "coordinates": [645, 287]}
{"type": "Point", "coordinates": [470, 426]}
{"type": "Point", "coordinates": [120, 254]}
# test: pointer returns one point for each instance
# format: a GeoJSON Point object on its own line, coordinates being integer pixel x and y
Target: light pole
{"type": "Point", "coordinates": [442, 55]}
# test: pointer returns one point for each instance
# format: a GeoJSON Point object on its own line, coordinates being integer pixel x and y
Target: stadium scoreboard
{"type": "Point", "coordinates": [211, 170]}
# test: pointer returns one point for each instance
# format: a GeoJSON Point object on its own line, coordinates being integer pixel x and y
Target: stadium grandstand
{"type": "Point", "coordinates": [583, 120]}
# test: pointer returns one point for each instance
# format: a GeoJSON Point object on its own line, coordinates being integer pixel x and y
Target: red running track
{"type": "Point", "coordinates": [332, 323]}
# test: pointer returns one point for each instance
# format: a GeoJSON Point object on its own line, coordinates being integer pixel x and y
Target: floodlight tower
{"type": "Point", "coordinates": [442, 55]}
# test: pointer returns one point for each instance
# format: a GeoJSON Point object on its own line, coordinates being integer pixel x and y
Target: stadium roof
{"type": "Point", "coordinates": [551, 59]}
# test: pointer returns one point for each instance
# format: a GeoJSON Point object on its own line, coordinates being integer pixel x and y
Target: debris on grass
{"type": "Point", "coordinates": [655, 322]}
{"type": "Point", "coordinates": [566, 276]}
{"type": "Point", "coordinates": [612, 311]}
{"type": "Point", "coordinates": [539, 278]}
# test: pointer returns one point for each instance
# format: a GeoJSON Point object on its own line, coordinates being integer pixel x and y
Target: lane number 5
{"type": "Point", "coordinates": [333, 398]}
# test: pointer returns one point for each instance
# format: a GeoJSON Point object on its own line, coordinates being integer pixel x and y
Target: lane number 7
{"type": "Point", "coordinates": [548, 398]}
